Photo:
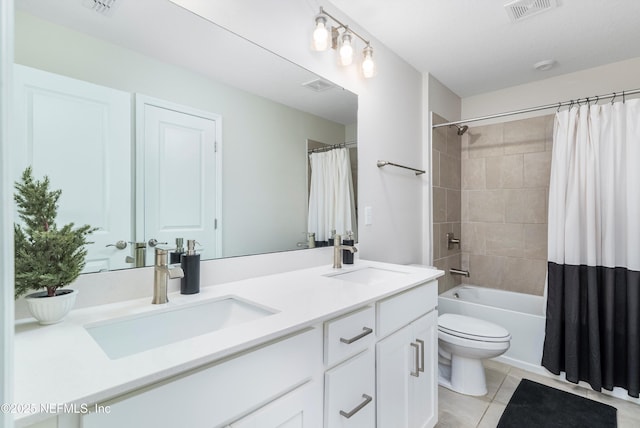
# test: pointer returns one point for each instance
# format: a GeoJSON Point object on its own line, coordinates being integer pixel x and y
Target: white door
{"type": "Point", "coordinates": [79, 134]}
{"type": "Point", "coordinates": [181, 175]}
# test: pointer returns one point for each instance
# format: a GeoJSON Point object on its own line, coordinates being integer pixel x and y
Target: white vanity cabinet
{"type": "Point", "coordinates": [214, 396]}
{"type": "Point", "coordinates": [406, 360]}
{"type": "Point", "coordinates": [373, 366]}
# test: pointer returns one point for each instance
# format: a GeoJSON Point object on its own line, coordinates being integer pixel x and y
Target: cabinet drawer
{"type": "Point", "coordinates": [401, 309]}
{"type": "Point", "coordinates": [217, 394]}
{"type": "Point", "coordinates": [350, 393]}
{"type": "Point", "coordinates": [348, 335]}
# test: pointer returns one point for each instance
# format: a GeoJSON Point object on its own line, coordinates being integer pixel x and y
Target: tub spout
{"type": "Point", "coordinates": [454, 271]}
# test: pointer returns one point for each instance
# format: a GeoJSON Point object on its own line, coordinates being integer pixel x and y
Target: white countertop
{"type": "Point", "coordinates": [62, 363]}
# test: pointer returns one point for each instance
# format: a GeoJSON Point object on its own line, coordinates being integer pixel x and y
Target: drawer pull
{"type": "Point", "coordinates": [367, 400]}
{"type": "Point", "coordinates": [365, 331]}
{"type": "Point", "coordinates": [416, 373]}
{"type": "Point", "coordinates": [421, 367]}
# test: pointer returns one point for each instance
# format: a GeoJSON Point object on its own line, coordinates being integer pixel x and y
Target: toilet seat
{"type": "Point", "coordinates": [472, 328]}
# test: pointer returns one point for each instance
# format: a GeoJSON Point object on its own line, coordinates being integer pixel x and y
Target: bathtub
{"type": "Point", "coordinates": [521, 314]}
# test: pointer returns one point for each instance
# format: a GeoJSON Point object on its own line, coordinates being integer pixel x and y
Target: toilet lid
{"type": "Point", "coordinates": [472, 328]}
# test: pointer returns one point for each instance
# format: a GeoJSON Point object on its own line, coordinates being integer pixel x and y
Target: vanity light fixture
{"type": "Point", "coordinates": [342, 39]}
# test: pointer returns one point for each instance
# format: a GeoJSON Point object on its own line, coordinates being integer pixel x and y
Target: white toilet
{"type": "Point", "coordinates": [463, 342]}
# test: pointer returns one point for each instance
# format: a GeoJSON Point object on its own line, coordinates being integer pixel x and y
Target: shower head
{"type": "Point", "coordinates": [462, 129]}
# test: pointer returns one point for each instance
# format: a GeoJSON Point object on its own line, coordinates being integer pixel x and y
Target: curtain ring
{"type": "Point", "coordinates": [597, 99]}
{"type": "Point", "coordinates": [588, 102]}
{"type": "Point", "coordinates": [623, 99]}
{"type": "Point", "coordinates": [559, 105]}
{"type": "Point", "coordinates": [613, 99]}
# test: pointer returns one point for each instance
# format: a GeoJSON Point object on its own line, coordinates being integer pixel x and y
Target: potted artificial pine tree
{"type": "Point", "coordinates": [46, 257]}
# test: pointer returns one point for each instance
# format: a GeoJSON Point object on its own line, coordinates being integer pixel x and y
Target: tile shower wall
{"type": "Point", "coordinates": [446, 178]}
{"type": "Point", "coordinates": [505, 187]}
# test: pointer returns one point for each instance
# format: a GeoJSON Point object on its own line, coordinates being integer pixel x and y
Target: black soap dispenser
{"type": "Point", "coordinates": [175, 256]}
{"type": "Point", "coordinates": [190, 282]}
{"type": "Point", "coordinates": [347, 256]}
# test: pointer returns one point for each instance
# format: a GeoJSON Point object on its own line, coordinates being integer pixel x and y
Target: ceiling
{"type": "Point", "coordinates": [177, 36]}
{"type": "Point", "coordinates": [472, 46]}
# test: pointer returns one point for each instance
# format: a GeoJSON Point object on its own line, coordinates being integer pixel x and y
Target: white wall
{"type": "Point", "coordinates": [6, 215]}
{"type": "Point", "coordinates": [389, 117]}
{"type": "Point", "coordinates": [263, 211]}
{"type": "Point", "coordinates": [615, 77]}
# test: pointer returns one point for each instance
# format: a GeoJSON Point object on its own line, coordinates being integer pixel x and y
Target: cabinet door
{"type": "Point", "coordinates": [393, 365]}
{"type": "Point", "coordinates": [406, 370]}
{"type": "Point", "coordinates": [301, 408]}
{"type": "Point", "coordinates": [423, 390]}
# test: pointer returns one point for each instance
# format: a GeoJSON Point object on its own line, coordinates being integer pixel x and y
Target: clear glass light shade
{"type": "Point", "coordinates": [346, 50]}
{"type": "Point", "coordinates": [321, 34]}
{"type": "Point", "coordinates": [368, 66]}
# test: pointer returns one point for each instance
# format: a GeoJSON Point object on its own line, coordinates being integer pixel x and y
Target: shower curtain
{"type": "Point", "coordinates": [331, 201]}
{"type": "Point", "coordinates": [593, 304]}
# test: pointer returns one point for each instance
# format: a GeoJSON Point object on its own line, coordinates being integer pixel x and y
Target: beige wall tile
{"type": "Point", "coordinates": [436, 241]}
{"type": "Point", "coordinates": [504, 239]}
{"type": "Point", "coordinates": [473, 238]}
{"type": "Point", "coordinates": [525, 206]}
{"type": "Point", "coordinates": [450, 176]}
{"type": "Point", "coordinates": [484, 141]}
{"type": "Point", "coordinates": [465, 145]}
{"type": "Point", "coordinates": [537, 169]}
{"type": "Point", "coordinates": [504, 172]}
{"type": "Point", "coordinates": [486, 206]}
{"type": "Point", "coordinates": [525, 136]}
{"type": "Point", "coordinates": [524, 275]}
{"type": "Point", "coordinates": [535, 241]}
{"type": "Point", "coordinates": [435, 168]}
{"type": "Point", "coordinates": [439, 135]}
{"type": "Point", "coordinates": [548, 131]}
{"type": "Point", "coordinates": [454, 143]}
{"type": "Point", "coordinates": [473, 173]}
{"type": "Point", "coordinates": [439, 205]}
{"type": "Point", "coordinates": [453, 205]}
{"type": "Point", "coordinates": [465, 206]}
{"type": "Point", "coordinates": [486, 271]}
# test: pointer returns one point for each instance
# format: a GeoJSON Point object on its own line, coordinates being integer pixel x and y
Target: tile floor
{"type": "Point", "coordinates": [462, 411]}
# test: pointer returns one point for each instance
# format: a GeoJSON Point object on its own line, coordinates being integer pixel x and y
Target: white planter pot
{"type": "Point", "coordinates": [50, 310]}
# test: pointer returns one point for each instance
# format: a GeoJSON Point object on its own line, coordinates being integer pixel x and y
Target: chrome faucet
{"type": "Point", "coordinates": [161, 275]}
{"type": "Point", "coordinates": [337, 251]}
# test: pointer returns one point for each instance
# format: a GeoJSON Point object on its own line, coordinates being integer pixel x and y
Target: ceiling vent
{"type": "Point", "coordinates": [319, 85]}
{"type": "Point", "coordinates": [103, 7]}
{"type": "Point", "coordinates": [521, 9]}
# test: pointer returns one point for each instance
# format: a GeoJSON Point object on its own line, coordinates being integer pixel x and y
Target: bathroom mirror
{"type": "Point", "coordinates": [265, 110]}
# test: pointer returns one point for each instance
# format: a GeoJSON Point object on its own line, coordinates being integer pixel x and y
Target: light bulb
{"type": "Point", "coordinates": [321, 34]}
{"type": "Point", "coordinates": [368, 66]}
{"type": "Point", "coordinates": [346, 50]}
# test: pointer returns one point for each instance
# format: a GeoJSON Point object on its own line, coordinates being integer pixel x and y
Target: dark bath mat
{"type": "Point", "coordinates": [539, 406]}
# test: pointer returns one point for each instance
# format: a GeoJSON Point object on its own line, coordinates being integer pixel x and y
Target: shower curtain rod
{"type": "Point", "coordinates": [347, 144]}
{"type": "Point", "coordinates": [578, 101]}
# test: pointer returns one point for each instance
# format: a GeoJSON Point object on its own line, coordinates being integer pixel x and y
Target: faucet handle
{"type": "Point", "coordinates": [153, 242]}
{"type": "Point", "coordinates": [176, 272]}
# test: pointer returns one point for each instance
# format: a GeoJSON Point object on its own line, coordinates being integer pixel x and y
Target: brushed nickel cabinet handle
{"type": "Point", "coordinates": [367, 400]}
{"type": "Point", "coordinates": [416, 373]}
{"type": "Point", "coordinates": [421, 367]}
{"type": "Point", "coordinates": [365, 331]}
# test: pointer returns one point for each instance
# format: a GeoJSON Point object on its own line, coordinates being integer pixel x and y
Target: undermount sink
{"type": "Point", "coordinates": [129, 335]}
{"type": "Point", "coordinates": [368, 275]}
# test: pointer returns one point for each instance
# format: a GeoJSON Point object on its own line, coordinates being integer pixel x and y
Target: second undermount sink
{"type": "Point", "coordinates": [129, 335]}
{"type": "Point", "coordinates": [368, 275]}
